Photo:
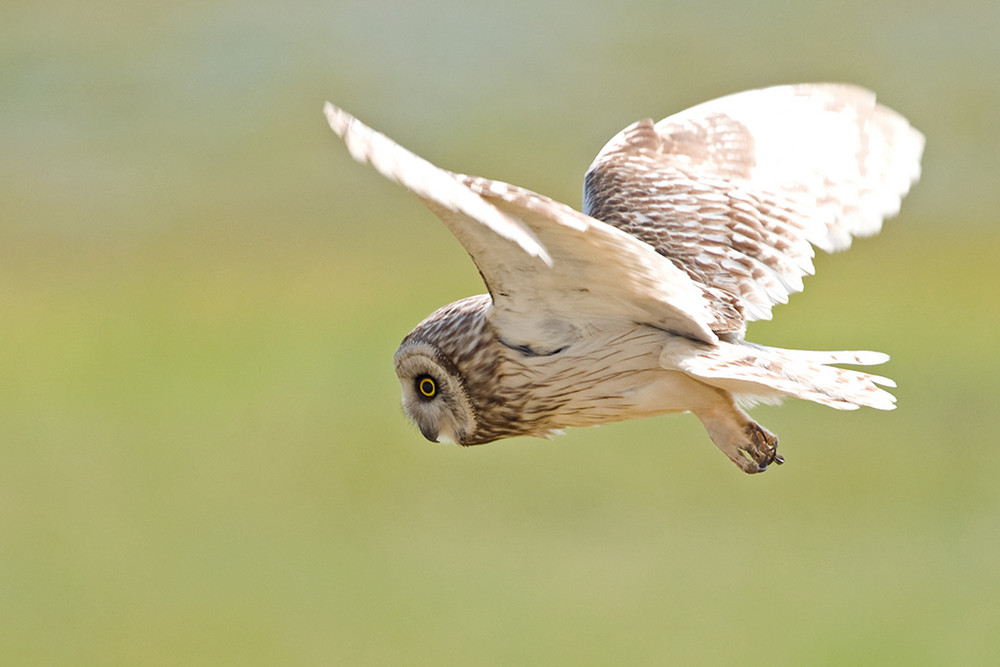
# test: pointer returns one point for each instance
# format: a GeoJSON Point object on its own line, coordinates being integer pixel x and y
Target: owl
{"type": "Point", "coordinates": [690, 228]}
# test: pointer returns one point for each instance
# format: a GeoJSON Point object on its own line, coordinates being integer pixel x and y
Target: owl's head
{"type": "Point", "coordinates": [445, 366]}
{"type": "Point", "coordinates": [434, 393]}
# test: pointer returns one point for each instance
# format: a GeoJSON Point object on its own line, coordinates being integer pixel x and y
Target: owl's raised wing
{"type": "Point", "coordinates": [549, 269]}
{"type": "Point", "coordinates": [736, 191]}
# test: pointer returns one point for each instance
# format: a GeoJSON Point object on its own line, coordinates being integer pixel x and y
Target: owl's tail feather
{"type": "Point", "coordinates": [755, 373]}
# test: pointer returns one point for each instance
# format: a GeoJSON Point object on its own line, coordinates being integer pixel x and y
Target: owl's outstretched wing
{"type": "Point", "coordinates": [736, 191]}
{"type": "Point", "coordinates": [549, 269]}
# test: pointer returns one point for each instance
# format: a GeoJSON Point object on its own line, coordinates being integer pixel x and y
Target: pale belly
{"type": "Point", "coordinates": [614, 377]}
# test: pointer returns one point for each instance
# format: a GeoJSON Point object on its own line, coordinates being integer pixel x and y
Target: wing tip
{"type": "Point", "coordinates": [368, 146]}
{"type": "Point", "coordinates": [337, 118]}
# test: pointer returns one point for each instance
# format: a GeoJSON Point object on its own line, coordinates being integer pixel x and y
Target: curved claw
{"type": "Point", "coordinates": [762, 448]}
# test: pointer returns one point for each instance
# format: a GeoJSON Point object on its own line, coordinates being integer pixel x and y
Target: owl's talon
{"type": "Point", "coordinates": [762, 448]}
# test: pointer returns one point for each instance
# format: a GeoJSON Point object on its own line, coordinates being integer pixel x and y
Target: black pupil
{"type": "Point", "coordinates": [426, 386]}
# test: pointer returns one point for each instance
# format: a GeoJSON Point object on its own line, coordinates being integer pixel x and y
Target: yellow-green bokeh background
{"type": "Point", "coordinates": [202, 457]}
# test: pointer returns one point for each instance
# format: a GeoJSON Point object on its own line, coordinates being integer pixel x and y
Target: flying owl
{"type": "Point", "coordinates": [638, 305]}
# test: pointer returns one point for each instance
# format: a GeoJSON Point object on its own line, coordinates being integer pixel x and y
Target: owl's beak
{"type": "Point", "coordinates": [429, 434]}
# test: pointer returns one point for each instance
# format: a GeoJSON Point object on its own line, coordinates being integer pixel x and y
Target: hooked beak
{"type": "Point", "coordinates": [443, 438]}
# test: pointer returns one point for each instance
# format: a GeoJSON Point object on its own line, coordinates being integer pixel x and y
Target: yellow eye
{"type": "Point", "coordinates": [426, 386]}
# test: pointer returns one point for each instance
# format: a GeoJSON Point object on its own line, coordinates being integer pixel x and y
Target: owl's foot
{"type": "Point", "coordinates": [745, 442]}
{"type": "Point", "coordinates": [758, 451]}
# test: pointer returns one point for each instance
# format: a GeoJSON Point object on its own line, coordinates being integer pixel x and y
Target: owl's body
{"type": "Point", "coordinates": [612, 369]}
{"type": "Point", "coordinates": [637, 307]}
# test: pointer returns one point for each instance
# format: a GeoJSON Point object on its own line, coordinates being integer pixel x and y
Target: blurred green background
{"type": "Point", "coordinates": [202, 457]}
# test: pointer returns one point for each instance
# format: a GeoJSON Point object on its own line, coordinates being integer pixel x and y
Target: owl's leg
{"type": "Point", "coordinates": [747, 444]}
